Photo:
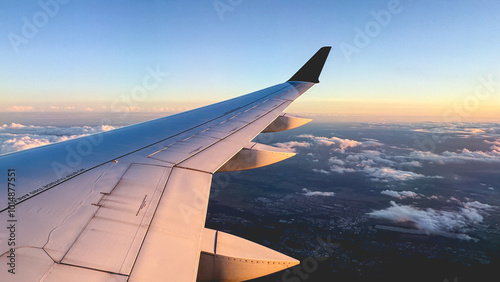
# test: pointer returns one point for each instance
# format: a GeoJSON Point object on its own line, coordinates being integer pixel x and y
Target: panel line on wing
{"type": "Point", "coordinates": [120, 224]}
{"type": "Point", "coordinates": [84, 170]}
{"type": "Point", "coordinates": [230, 143]}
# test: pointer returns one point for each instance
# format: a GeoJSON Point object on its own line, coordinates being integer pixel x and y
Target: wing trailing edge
{"type": "Point", "coordinates": [225, 257]}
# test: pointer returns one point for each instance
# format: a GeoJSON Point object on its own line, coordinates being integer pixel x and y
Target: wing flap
{"type": "Point", "coordinates": [112, 238]}
{"type": "Point", "coordinates": [61, 272]}
{"type": "Point", "coordinates": [70, 224]}
{"type": "Point", "coordinates": [171, 248]}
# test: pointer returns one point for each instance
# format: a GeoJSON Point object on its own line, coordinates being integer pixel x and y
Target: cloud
{"type": "Point", "coordinates": [375, 163]}
{"type": "Point", "coordinates": [16, 128]}
{"type": "Point", "coordinates": [16, 137]}
{"type": "Point", "coordinates": [411, 163]}
{"type": "Point", "coordinates": [309, 193]}
{"type": "Point", "coordinates": [436, 222]}
{"type": "Point", "coordinates": [321, 171]}
{"type": "Point", "coordinates": [387, 173]}
{"type": "Point", "coordinates": [335, 161]}
{"type": "Point", "coordinates": [400, 194]}
{"type": "Point", "coordinates": [461, 156]}
{"type": "Point", "coordinates": [291, 145]}
{"type": "Point", "coordinates": [339, 169]}
{"type": "Point", "coordinates": [477, 205]}
{"type": "Point", "coordinates": [310, 136]}
{"type": "Point", "coordinates": [16, 125]}
{"type": "Point", "coordinates": [26, 142]}
{"type": "Point", "coordinates": [455, 129]}
{"type": "Point", "coordinates": [496, 142]}
{"type": "Point", "coordinates": [20, 109]}
{"type": "Point", "coordinates": [339, 144]}
{"type": "Point", "coordinates": [371, 142]}
{"type": "Point", "coordinates": [369, 158]}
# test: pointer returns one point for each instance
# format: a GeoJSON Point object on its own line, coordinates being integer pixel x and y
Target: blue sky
{"type": "Point", "coordinates": [417, 57]}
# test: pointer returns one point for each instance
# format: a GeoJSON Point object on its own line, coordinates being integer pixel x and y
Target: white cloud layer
{"type": "Point", "coordinates": [16, 137]}
{"type": "Point", "coordinates": [309, 193]}
{"type": "Point", "coordinates": [462, 156]}
{"type": "Point", "coordinates": [387, 173]}
{"type": "Point", "coordinates": [340, 144]}
{"type": "Point", "coordinates": [436, 222]}
{"type": "Point", "coordinates": [400, 194]}
{"type": "Point", "coordinates": [376, 164]}
{"type": "Point", "coordinates": [291, 145]}
{"type": "Point", "coordinates": [321, 171]}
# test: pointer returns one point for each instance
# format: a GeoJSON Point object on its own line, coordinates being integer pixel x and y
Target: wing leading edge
{"type": "Point", "coordinates": [130, 204]}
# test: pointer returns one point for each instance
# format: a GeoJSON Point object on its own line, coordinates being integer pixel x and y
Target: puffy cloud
{"type": "Point", "coordinates": [15, 136]}
{"type": "Point", "coordinates": [16, 125]}
{"type": "Point", "coordinates": [309, 193]}
{"type": "Point", "coordinates": [310, 136]}
{"type": "Point", "coordinates": [336, 161]}
{"type": "Point", "coordinates": [456, 129]}
{"type": "Point", "coordinates": [339, 144]}
{"type": "Point", "coordinates": [376, 164]}
{"type": "Point", "coordinates": [477, 205]}
{"type": "Point", "coordinates": [26, 142]}
{"type": "Point", "coordinates": [437, 222]}
{"type": "Point", "coordinates": [15, 128]}
{"type": "Point", "coordinates": [20, 108]}
{"type": "Point", "coordinates": [462, 156]}
{"type": "Point", "coordinates": [321, 171]}
{"type": "Point", "coordinates": [371, 142]}
{"type": "Point", "coordinates": [339, 169]}
{"type": "Point", "coordinates": [496, 142]}
{"type": "Point", "coordinates": [369, 158]}
{"type": "Point", "coordinates": [291, 145]}
{"type": "Point", "coordinates": [387, 173]}
{"type": "Point", "coordinates": [400, 194]}
{"type": "Point", "coordinates": [411, 163]}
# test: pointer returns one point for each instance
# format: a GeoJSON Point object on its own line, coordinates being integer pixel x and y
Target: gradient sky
{"type": "Point", "coordinates": [428, 59]}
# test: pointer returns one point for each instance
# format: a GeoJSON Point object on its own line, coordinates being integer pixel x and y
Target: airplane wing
{"type": "Point", "coordinates": [130, 204]}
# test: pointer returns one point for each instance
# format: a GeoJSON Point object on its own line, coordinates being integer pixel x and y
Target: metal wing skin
{"type": "Point", "coordinates": [130, 204]}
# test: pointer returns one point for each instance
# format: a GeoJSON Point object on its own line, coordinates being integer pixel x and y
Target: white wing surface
{"type": "Point", "coordinates": [130, 204]}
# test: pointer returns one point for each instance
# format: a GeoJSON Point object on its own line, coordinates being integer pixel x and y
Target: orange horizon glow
{"type": "Point", "coordinates": [444, 111]}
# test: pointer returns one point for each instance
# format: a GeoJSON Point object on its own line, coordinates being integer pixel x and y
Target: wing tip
{"type": "Point", "coordinates": [311, 70]}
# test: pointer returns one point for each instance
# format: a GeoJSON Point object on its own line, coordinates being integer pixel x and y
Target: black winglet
{"type": "Point", "coordinates": [312, 69]}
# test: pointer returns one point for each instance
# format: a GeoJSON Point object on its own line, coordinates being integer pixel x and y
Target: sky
{"type": "Point", "coordinates": [391, 58]}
